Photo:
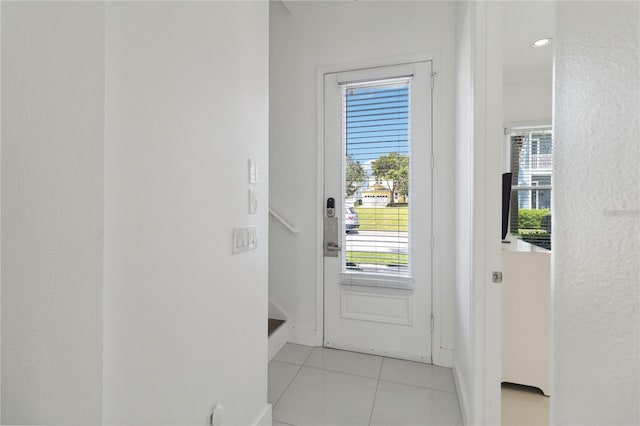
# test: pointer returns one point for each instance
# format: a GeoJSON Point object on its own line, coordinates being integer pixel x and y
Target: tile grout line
{"type": "Point", "coordinates": [291, 362]}
{"type": "Point", "coordinates": [366, 377]}
{"type": "Point", "coordinates": [287, 387]}
{"type": "Point", "coordinates": [339, 372]}
{"type": "Point", "coordinates": [375, 395]}
{"type": "Point", "coordinates": [287, 362]}
{"type": "Point", "coordinates": [378, 380]}
{"type": "Point", "coordinates": [342, 372]}
{"type": "Point", "coordinates": [289, 384]}
{"type": "Point", "coordinates": [284, 423]}
{"type": "Point", "coordinates": [309, 355]}
{"type": "Point", "coordinates": [420, 387]}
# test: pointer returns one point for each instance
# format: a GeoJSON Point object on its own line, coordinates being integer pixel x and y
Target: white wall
{"type": "Point", "coordinates": [304, 37]}
{"type": "Point", "coordinates": [52, 212]}
{"type": "Point", "coordinates": [528, 102]}
{"type": "Point", "coordinates": [186, 106]}
{"type": "Point", "coordinates": [478, 144]}
{"type": "Point", "coordinates": [527, 71]}
{"type": "Point", "coordinates": [463, 361]}
{"type": "Point", "coordinates": [0, 214]}
{"type": "Point", "coordinates": [596, 246]}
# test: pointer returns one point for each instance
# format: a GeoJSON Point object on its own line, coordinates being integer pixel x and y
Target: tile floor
{"type": "Point", "coordinates": [317, 386]}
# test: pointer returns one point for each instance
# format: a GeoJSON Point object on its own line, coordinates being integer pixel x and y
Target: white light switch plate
{"type": "Point", "coordinates": [253, 201]}
{"type": "Point", "coordinates": [253, 171]}
{"type": "Point", "coordinates": [244, 239]}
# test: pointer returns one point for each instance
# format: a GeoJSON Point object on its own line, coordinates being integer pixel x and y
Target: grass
{"type": "Point", "coordinates": [383, 218]}
{"type": "Point", "coordinates": [359, 257]}
{"type": "Point", "coordinates": [531, 231]}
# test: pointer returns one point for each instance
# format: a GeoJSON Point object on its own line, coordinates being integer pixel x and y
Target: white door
{"type": "Point", "coordinates": [377, 245]}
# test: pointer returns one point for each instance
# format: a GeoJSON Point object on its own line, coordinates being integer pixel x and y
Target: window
{"type": "Point", "coordinates": [531, 162]}
{"type": "Point", "coordinates": [376, 147]}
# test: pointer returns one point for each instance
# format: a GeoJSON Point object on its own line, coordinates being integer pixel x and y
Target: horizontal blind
{"type": "Point", "coordinates": [376, 141]}
{"type": "Point", "coordinates": [532, 168]}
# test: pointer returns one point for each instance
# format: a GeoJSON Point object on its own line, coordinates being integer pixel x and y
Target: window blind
{"type": "Point", "coordinates": [376, 181]}
{"type": "Point", "coordinates": [531, 161]}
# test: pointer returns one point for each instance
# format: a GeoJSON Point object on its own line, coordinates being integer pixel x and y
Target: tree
{"type": "Point", "coordinates": [354, 174]}
{"type": "Point", "coordinates": [403, 185]}
{"type": "Point", "coordinates": [394, 170]}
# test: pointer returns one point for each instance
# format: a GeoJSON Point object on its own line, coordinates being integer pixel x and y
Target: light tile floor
{"type": "Point", "coordinates": [326, 387]}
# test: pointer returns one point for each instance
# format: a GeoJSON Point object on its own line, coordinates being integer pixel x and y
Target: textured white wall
{"type": "Point", "coordinates": [186, 106]}
{"type": "Point", "coordinates": [0, 214]}
{"type": "Point", "coordinates": [52, 212]}
{"type": "Point", "coordinates": [309, 35]}
{"type": "Point", "coordinates": [596, 247]}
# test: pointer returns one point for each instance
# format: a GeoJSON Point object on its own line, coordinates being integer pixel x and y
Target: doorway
{"type": "Point", "coordinates": [378, 211]}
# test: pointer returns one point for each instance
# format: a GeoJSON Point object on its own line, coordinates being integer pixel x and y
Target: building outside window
{"type": "Point", "coordinates": [531, 162]}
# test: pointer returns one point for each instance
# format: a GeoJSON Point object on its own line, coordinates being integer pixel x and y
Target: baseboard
{"type": "Point", "coordinates": [264, 418]}
{"type": "Point", "coordinates": [306, 336]}
{"type": "Point", "coordinates": [443, 357]}
{"type": "Point", "coordinates": [389, 354]}
{"type": "Point", "coordinates": [279, 338]}
{"type": "Point", "coordinates": [462, 398]}
{"type": "Point", "coordinates": [287, 333]}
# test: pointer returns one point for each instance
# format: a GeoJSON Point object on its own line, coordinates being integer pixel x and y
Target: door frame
{"type": "Point", "coordinates": [480, 397]}
{"type": "Point", "coordinates": [440, 355]}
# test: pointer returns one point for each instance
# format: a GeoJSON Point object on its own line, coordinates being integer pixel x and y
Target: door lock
{"type": "Point", "coordinates": [331, 207]}
{"type": "Point", "coordinates": [331, 230]}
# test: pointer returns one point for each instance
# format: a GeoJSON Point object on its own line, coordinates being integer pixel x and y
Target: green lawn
{"type": "Point", "coordinates": [359, 257]}
{"type": "Point", "coordinates": [531, 231]}
{"type": "Point", "coordinates": [383, 218]}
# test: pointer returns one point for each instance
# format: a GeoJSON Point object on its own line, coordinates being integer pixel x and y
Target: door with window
{"type": "Point", "coordinates": [378, 212]}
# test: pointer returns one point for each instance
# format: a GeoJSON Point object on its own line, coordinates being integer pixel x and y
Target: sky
{"type": "Point", "coordinates": [377, 120]}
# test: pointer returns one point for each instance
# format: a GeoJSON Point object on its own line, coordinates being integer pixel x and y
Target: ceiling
{"type": "Point", "coordinates": [526, 22]}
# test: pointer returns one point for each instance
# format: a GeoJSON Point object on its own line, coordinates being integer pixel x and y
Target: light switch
{"type": "Point", "coordinates": [253, 202]}
{"type": "Point", "coordinates": [253, 171]}
{"type": "Point", "coordinates": [253, 237]}
{"type": "Point", "coordinates": [244, 239]}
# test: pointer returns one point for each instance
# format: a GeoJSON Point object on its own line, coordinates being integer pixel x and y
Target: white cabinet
{"type": "Point", "coordinates": [526, 315]}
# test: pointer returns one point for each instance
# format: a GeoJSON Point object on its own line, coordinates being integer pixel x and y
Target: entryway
{"type": "Point", "coordinates": [320, 386]}
{"type": "Point", "coordinates": [378, 211]}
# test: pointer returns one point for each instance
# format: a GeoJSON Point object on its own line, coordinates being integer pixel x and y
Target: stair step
{"type": "Point", "coordinates": [273, 325]}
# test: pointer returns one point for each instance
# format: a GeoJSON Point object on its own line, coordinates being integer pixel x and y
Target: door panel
{"type": "Point", "coordinates": [377, 265]}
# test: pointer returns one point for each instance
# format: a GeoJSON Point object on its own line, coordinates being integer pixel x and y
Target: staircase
{"type": "Point", "coordinates": [273, 325]}
{"type": "Point", "coordinates": [279, 329]}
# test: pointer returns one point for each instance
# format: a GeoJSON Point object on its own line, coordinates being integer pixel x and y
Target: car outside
{"type": "Point", "coordinates": [351, 221]}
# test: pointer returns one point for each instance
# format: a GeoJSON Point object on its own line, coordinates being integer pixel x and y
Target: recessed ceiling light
{"type": "Point", "coordinates": [542, 42]}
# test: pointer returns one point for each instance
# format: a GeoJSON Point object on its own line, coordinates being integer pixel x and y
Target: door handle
{"type": "Point", "coordinates": [331, 233]}
{"type": "Point", "coordinates": [333, 247]}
